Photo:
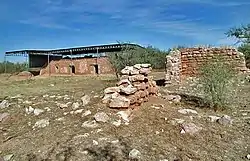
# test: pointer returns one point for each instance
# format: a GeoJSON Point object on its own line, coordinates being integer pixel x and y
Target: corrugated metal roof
{"type": "Point", "coordinates": [73, 51]}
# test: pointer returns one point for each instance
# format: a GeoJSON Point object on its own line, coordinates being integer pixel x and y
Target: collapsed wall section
{"type": "Point", "coordinates": [188, 61]}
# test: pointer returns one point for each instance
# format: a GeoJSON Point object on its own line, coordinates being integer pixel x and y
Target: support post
{"type": "Point", "coordinates": [97, 52]}
{"type": "Point", "coordinates": [27, 63]}
{"type": "Point", "coordinates": [5, 63]}
{"type": "Point", "coordinates": [71, 63]}
{"type": "Point", "coordinates": [49, 64]}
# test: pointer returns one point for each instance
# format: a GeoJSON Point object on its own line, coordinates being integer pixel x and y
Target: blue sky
{"type": "Point", "coordinates": [47, 24]}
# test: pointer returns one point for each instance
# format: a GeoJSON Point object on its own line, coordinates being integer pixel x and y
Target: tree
{"type": "Point", "coordinates": [131, 55]}
{"type": "Point", "coordinates": [243, 35]}
{"type": "Point", "coordinates": [12, 67]}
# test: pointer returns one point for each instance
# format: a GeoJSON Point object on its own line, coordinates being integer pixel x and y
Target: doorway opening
{"type": "Point", "coordinates": [57, 69]}
{"type": "Point", "coordinates": [73, 69]}
{"type": "Point", "coordinates": [96, 69]}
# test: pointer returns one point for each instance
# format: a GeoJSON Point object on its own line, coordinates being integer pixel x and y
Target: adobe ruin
{"type": "Point", "coordinates": [87, 60]}
{"type": "Point", "coordinates": [78, 66]}
{"type": "Point", "coordinates": [187, 62]}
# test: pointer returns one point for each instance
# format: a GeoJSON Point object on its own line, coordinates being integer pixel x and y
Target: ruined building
{"type": "Point", "coordinates": [187, 62]}
{"type": "Point", "coordinates": [70, 61]}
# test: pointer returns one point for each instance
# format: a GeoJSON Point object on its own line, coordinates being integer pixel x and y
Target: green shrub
{"type": "Point", "coordinates": [12, 67]}
{"type": "Point", "coordinates": [217, 83]}
{"type": "Point", "coordinates": [245, 49]}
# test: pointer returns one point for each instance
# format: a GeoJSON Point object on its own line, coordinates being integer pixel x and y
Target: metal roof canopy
{"type": "Point", "coordinates": [73, 51]}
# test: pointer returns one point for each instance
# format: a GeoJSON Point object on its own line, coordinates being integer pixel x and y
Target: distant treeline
{"type": "Point", "coordinates": [12, 67]}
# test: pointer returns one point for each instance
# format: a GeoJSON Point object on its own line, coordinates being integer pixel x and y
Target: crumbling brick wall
{"type": "Point", "coordinates": [81, 66]}
{"type": "Point", "coordinates": [187, 62]}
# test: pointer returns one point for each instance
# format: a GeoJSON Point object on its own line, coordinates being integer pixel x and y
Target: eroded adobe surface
{"type": "Point", "coordinates": [188, 61]}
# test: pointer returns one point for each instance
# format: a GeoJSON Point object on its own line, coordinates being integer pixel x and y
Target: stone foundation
{"type": "Point", "coordinates": [186, 62]}
{"type": "Point", "coordinates": [134, 87]}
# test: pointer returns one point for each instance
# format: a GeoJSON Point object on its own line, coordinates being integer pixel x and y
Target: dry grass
{"type": "Point", "coordinates": [61, 140]}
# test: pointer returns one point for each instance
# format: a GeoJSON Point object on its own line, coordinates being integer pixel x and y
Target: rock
{"type": "Point", "coordinates": [78, 111]}
{"type": "Point", "coordinates": [75, 105]}
{"type": "Point", "coordinates": [187, 111]}
{"type": "Point", "coordinates": [127, 70]}
{"type": "Point", "coordinates": [145, 65]}
{"type": "Point", "coordinates": [115, 141]}
{"type": "Point", "coordinates": [140, 86]}
{"type": "Point", "coordinates": [153, 90]}
{"type": "Point", "coordinates": [119, 102]}
{"type": "Point", "coordinates": [46, 95]}
{"type": "Point", "coordinates": [132, 99]}
{"type": "Point", "coordinates": [17, 96]}
{"type": "Point", "coordinates": [145, 71]}
{"type": "Point", "coordinates": [27, 102]}
{"type": "Point", "coordinates": [248, 156]}
{"type": "Point", "coordinates": [117, 123]}
{"type": "Point", "coordinates": [60, 119]}
{"type": "Point", "coordinates": [176, 121]}
{"type": "Point", "coordinates": [125, 115]}
{"type": "Point", "coordinates": [173, 98]}
{"type": "Point", "coordinates": [157, 106]}
{"type": "Point", "coordinates": [86, 113]}
{"type": "Point", "coordinates": [135, 78]}
{"type": "Point", "coordinates": [47, 109]}
{"type": "Point", "coordinates": [4, 104]}
{"type": "Point", "coordinates": [190, 128]}
{"type": "Point", "coordinates": [85, 100]}
{"type": "Point", "coordinates": [225, 120]}
{"type": "Point", "coordinates": [95, 142]}
{"type": "Point", "coordinates": [134, 154]}
{"type": "Point", "coordinates": [41, 123]}
{"type": "Point", "coordinates": [8, 157]}
{"type": "Point", "coordinates": [244, 114]}
{"type": "Point", "coordinates": [90, 124]}
{"type": "Point", "coordinates": [213, 118]}
{"type": "Point", "coordinates": [29, 110]}
{"type": "Point", "coordinates": [108, 97]}
{"type": "Point", "coordinates": [128, 90]}
{"type": "Point", "coordinates": [135, 72]}
{"type": "Point", "coordinates": [111, 90]}
{"type": "Point", "coordinates": [4, 116]}
{"type": "Point", "coordinates": [123, 82]}
{"type": "Point", "coordinates": [53, 96]}
{"type": "Point", "coordinates": [101, 117]}
{"type": "Point", "coordinates": [142, 94]}
{"type": "Point", "coordinates": [99, 130]}
{"type": "Point", "coordinates": [137, 66]}
{"type": "Point", "coordinates": [38, 111]}
{"type": "Point", "coordinates": [62, 106]}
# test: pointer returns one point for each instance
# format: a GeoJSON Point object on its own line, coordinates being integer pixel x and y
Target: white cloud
{"type": "Point", "coordinates": [148, 15]}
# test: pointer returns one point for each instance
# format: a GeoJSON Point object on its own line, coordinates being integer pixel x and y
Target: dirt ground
{"type": "Point", "coordinates": [155, 132]}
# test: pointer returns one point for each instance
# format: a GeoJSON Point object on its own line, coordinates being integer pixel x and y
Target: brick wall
{"type": "Point", "coordinates": [187, 62]}
{"type": "Point", "coordinates": [81, 65]}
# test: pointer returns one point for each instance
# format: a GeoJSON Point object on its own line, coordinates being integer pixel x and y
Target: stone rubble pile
{"type": "Point", "coordinates": [134, 87]}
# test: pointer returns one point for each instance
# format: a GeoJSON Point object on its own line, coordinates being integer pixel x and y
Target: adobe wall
{"type": "Point", "coordinates": [187, 62]}
{"type": "Point", "coordinates": [82, 66]}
